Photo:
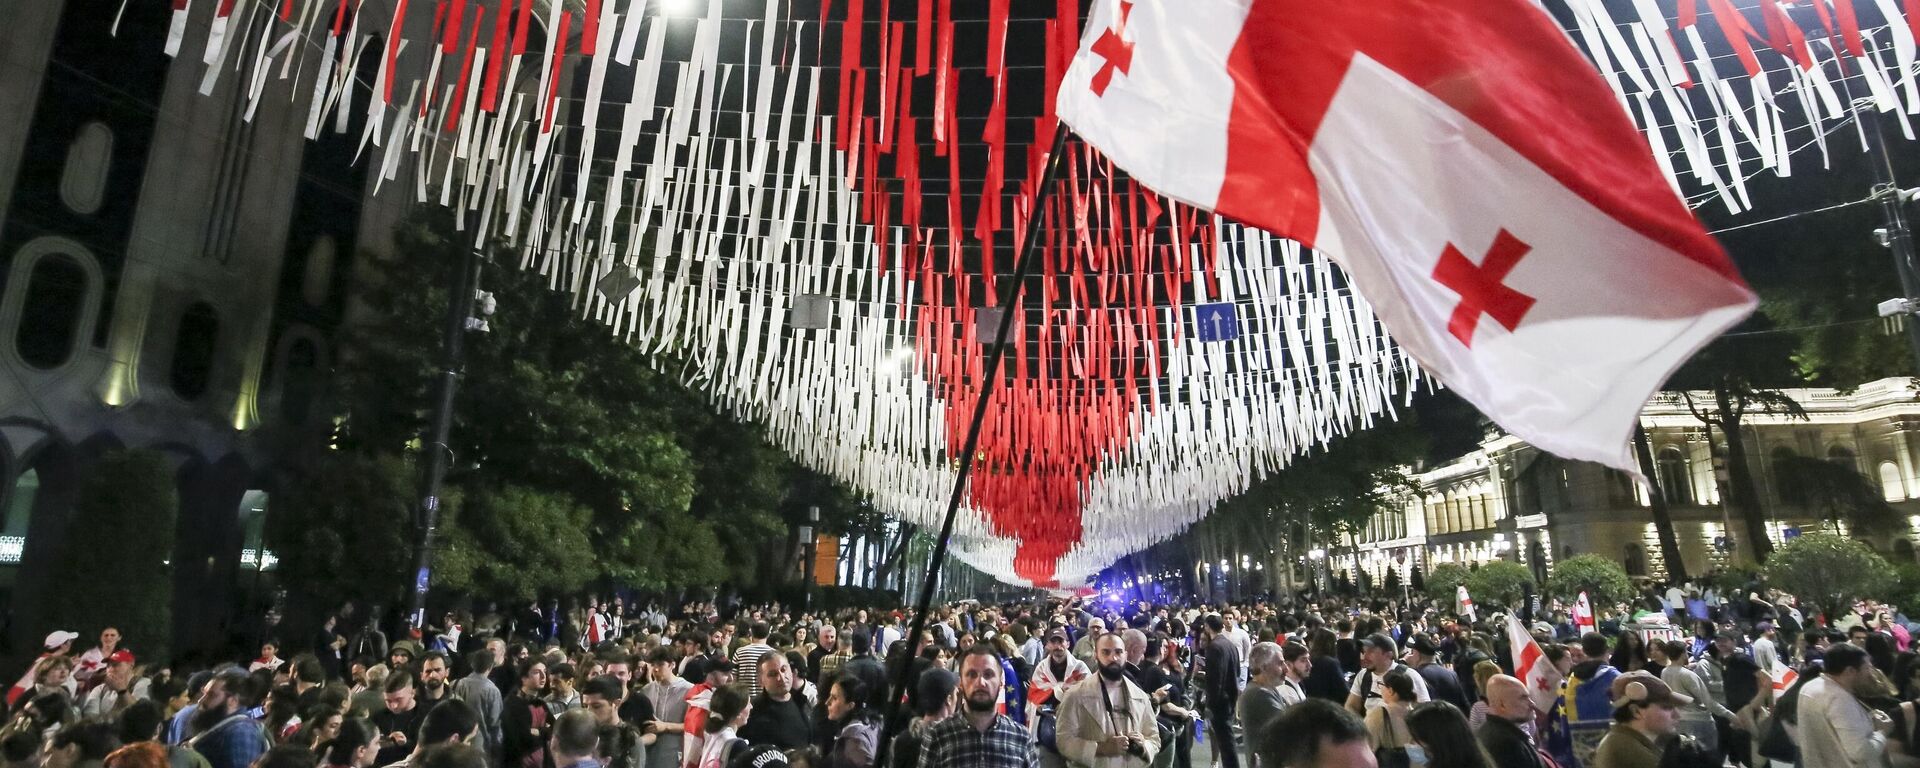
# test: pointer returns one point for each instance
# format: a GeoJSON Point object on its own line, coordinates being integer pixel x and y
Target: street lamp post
{"type": "Point", "coordinates": [461, 304]}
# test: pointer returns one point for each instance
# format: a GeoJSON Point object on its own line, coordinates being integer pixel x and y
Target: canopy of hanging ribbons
{"type": "Point", "coordinates": [810, 207]}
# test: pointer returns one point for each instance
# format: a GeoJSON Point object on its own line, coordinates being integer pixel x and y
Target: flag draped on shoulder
{"type": "Point", "coordinates": [1470, 171]}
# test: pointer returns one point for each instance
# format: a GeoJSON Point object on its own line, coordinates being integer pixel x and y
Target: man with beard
{"type": "Point", "coordinates": [228, 737]}
{"type": "Point", "coordinates": [433, 679]}
{"type": "Point", "coordinates": [981, 737]}
{"type": "Point", "coordinates": [1055, 674]}
{"type": "Point", "coordinates": [400, 722]}
{"type": "Point", "coordinates": [1107, 722]}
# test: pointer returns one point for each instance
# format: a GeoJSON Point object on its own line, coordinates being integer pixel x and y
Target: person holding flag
{"type": "Point", "coordinates": [1583, 622]}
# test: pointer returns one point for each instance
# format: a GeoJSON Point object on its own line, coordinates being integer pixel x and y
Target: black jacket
{"type": "Point", "coordinates": [516, 728]}
{"type": "Point", "coordinates": [1508, 745]}
{"type": "Point", "coordinates": [784, 724]}
{"type": "Point", "coordinates": [1223, 672]}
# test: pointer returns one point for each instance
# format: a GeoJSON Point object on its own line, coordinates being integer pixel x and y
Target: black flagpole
{"type": "Point", "coordinates": [1010, 308]}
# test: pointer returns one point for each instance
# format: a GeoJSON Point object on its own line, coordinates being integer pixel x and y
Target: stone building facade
{"type": "Point", "coordinates": [173, 275]}
{"type": "Point", "coordinates": [1510, 500]}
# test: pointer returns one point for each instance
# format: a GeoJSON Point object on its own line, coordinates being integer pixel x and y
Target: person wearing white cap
{"type": "Point", "coordinates": [1645, 710]}
{"type": "Point", "coordinates": [58, 643]}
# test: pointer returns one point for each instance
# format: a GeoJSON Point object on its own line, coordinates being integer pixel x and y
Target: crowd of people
{"type": "Point", "coordinates": [1677, 681]}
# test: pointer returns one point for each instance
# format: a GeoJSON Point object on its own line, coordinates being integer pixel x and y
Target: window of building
{"type": "Point", "coordinates": [50, 313]}
{"type": "Point", "coordinates": [18, 516]}
{"type": "Point", "coordinates": [193, 351]}
{"type": "Point", "coordinates": [1891, 485]}
{"type": "Point", "coordinates": [1675, 478]}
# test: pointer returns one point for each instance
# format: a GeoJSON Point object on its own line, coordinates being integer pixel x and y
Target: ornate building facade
{"type": "Point", "coordinates": [1510, 500]}
{"type": "Point", "coordinates": [174, 268]}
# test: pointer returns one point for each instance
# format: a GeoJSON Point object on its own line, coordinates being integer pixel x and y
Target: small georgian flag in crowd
{"type": "Point", "coordinates": [1461, 160]}
{"type": "Point", "coordinates": [1464, 607]}
{"type": "Point", "coordinates": [1530, 664]}
{"type": "Point", "coordinates": [1583, 615]}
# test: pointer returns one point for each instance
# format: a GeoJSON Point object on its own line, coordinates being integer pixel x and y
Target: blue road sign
{"type": "Point", "coordinates": [1790, 532]}
{"type": "Point", "coordinates": [1216, 322]}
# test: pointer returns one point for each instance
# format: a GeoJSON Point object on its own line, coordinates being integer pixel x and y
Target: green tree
{"type": "Point", "coordinates": [1324, 497]}
{"type": "Point", "coordinates": [1499, 581]}
{"type": "Point", "coordinates": [1444, 582]}
{"type": "Point", "coordinates": [516, 543]}
{"type": "Point", "coordinates": [1828, 571]}
{"type": "Point", "coordinates": [114, 569]}
{"type": "Point", "coordinates": [1605, 581]}
{"type": "Point", "coordinates": [1742, 374]}
{"type": "Point", "coordinates": [342, 527]}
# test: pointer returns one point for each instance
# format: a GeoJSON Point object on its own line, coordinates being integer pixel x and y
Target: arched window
{"type": "Point", "coordinates": [50, 313]}
{"type": "Point", "coordinates": [193, 351]}
{"type": "Point", "coordinates": [1676, 481]}
{"type": "Point", "coordinates": [1891, 487]}
{"type": "Point", "coordinates": [1635, 558]}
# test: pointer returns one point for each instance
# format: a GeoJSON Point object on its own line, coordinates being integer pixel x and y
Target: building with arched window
{"type": "Point", "coordinates": [175, 264]}
{"type": "Point", "coordinates": [1538, 506]}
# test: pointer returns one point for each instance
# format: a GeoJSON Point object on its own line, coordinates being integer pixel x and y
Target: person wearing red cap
{"type": "Point", "coordinates": [117, 688]}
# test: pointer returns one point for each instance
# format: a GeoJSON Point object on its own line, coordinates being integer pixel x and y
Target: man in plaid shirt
{"type": "Point", "coordinates": [980, 737]}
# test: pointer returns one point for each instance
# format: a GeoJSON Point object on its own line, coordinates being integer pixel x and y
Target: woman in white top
{"type": "Point", "coordinates": [727, 711]}
{"type": "Point", "coordinates": [1696, 719]}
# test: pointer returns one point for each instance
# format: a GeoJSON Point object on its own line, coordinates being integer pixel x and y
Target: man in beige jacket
{"type": "Point", "coordinates": [1106, 721]}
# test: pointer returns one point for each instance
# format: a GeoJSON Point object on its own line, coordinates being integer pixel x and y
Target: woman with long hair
{"type": "Point", "coordinates": [726, 712]}
{"type": "Point", "coordinates": [858, 736]}
{"type": "Point", "coordinates": [354, 746]}
{"type": "Point", "coordinates": [1441, 735]}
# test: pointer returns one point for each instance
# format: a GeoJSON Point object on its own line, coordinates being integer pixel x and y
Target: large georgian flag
{"type": "Point", "coordinates": [1463, 163]}
{"type": "Point", "coordinates": [1530, 664]}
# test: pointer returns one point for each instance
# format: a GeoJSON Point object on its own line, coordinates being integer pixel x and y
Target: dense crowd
{"type": "Point", "coordinates": [1685, 677]}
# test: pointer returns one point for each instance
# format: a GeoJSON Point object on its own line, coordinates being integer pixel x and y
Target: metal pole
{"type": "Point", "coordinates": [1886, 192]}
{"type": "Point", "coordinates": [459, 310]}
{"type": "Point", "coordinates": [989, 376]}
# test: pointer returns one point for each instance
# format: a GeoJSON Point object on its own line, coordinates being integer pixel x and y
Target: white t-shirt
{"type": "Point", "coordinates": [1376, 696]}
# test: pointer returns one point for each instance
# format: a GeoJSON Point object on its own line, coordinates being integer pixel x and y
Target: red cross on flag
{"type": "Point", "coordinates": [1461, 160]}
{"type": "Point", "coordinates": [1530, 664]}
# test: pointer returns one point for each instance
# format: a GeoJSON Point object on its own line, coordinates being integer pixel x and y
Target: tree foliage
{"type": "Point", "coordinates": [560, 421]}
{"type": "Point", "coordinates": [342, 527]}
{"type": "Point", "coordinates": [1828, 571]}
{"type": "Point", "coordinates": [1499, 581]}
{"type": "Point", "coordinates": [517, 543]}
{"type": "Point", "coordinates": [114, 569]}
{"type": "Point", "coordinates": [1444, 582]}
{"type": "Point", "coordinates": [1605, 581]}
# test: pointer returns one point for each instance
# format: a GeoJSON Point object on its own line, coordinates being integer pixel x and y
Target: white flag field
{"type": "Point", "coordinates": [1472, 173]}
{"type": "Point", "coordinates": [1530, 664]}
